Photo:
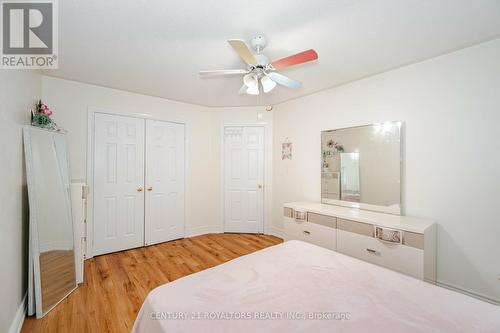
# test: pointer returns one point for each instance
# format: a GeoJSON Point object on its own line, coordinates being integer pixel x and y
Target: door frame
{"type": "Point", "coordinates": [266, 182]}
{"type": "Point", "coordinates": [91, 111]}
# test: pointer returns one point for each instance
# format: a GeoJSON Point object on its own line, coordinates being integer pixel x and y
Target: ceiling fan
{"type": "Point", "coordinates": [260, 74]}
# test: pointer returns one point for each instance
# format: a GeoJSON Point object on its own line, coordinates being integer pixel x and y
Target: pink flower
{"type": "Point", "coordinates": [48, 112]}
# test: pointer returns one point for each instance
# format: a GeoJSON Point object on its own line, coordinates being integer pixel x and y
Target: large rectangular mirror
{"type": "Point", "coordinates": [361, 167]}
{"type": "Point", "coordinates": [51, 227]}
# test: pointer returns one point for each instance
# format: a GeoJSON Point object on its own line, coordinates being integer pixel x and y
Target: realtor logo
{"type": "Point", "coordinates": [29, 34]}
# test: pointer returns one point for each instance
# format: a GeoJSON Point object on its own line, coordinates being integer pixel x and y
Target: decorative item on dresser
{"type": "Point", "coordinates": [402, 243]}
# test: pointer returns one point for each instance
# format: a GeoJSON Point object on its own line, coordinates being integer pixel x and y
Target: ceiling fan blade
{"type": "Point", "coordinates": [295, 59]}
{"type": "Point", "coordinates": [284, 80]}
{"type": "Point", "coordinates": [267, 84]}
{"type": "Point", "coordinates": [223, 72]}
{"type": "Point", "coordinates": [243, 51]}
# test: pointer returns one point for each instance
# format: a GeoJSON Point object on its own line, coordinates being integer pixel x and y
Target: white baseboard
{"type": "Point", "coordinates": [469, 293]}
{"type": "Point", "coordinates": [197, 231]}
{"type": "Point", "coordinates": [17, 322]}
{"type": "Point", "coordinates": [275, 232]}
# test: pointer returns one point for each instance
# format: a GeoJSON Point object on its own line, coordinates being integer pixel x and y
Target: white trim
{"type": "Point", "coordinates": [267, 182]}
{"type": "Point", "coordinates": [198, 231]}
{"type": "Point", "coordinates": [91, 111]}
{"type": "Point", "coordinates": [18, 320]}
{"type": "Point", "coordinates": [56, 245]}
{"type": "Point", "coordinates": [89, 240]}
{"type": "Point", "coordinates": [275, 232]}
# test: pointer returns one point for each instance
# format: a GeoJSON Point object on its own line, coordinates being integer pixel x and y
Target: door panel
{"type": "Point", "coordinates": [164, 181]}
{"type": "Point", "coordinates": [118, 174]}
{"type": "Point", "coordinates": [243, 179]}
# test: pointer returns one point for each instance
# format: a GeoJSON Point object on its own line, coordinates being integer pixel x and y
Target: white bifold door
{"type": "Point", "coordinates": [138, 182]}
{"type": "Point", "coordinates": [244, 179]}
{"type": "Point", "coordinates": [165, 181]}
{"type": "Point", "coordinates": [118, 183]}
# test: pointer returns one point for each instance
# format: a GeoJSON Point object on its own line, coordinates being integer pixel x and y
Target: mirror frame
{"type": "Point", "coordinates": [34, 250]}
{"type": "Point", "coordinates": [395, 209]}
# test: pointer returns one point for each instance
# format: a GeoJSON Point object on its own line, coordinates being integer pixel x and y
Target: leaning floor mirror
{"type": "Point", "coordinates": [52, 257]}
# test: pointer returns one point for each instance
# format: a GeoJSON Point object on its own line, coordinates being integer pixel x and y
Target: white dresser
{"type": "Point", "coordinates": [402, 243]}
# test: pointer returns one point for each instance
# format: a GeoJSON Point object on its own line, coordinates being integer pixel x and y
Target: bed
{"type": "Point", "coordinates": [300, 287]}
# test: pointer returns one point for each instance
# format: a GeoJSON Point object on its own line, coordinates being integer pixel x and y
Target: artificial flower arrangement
{"type": "Point", "coordinates": [335, 145]}
{"type": "Point", "coordinates": [41, 117]}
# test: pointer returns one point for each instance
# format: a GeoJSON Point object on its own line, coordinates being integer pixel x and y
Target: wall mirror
{"type": "Point", "coordinates": [361, 167]}
{"type": "Point", "coordinates": [52, 256]}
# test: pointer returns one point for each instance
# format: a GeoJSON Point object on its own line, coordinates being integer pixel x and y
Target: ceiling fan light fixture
{"type": "Point", "coordinates": [252, 83]}
{"type": "Point", "coordinates": [267, 84]}
{"type": "Point", "coordinates": [254, 90]}
{"type": "Point", "coordinates": [260, 72]}
{"type": "Point", "coordinates": [243, 90]}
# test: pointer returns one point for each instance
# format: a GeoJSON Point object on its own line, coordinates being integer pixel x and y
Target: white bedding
{"type": "Point", "coordinates": [299, 280]}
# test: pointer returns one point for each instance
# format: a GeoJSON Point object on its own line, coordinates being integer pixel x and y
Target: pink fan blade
{"type": "Point", "coordinates": [295, 59]}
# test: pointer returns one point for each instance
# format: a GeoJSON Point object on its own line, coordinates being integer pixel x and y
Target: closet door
{"type": "Point", "coordinates": [118, 183]}
{"type": "Point", "coordinates": [164, 181]}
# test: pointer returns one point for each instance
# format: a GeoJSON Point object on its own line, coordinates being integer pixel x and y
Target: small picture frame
{"type": "Point", "coordinates": [286, 151]}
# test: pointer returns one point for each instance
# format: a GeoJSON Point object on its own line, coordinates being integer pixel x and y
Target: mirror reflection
{"type": "Point", "coordinates": [362, 165]}
{"type": "Point", "coordinates": [349, 172]}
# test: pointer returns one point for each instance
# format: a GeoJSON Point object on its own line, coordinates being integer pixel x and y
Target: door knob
{"type": "Point", "coordinates": [150, 188]}
{"type": "Point", "coordinates": [140, 189]}
{"type": "Point", "coordinates": [259, 186]}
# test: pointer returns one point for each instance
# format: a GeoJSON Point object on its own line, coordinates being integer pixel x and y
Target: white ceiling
{"type": "Point", "coordinates": [157, 47]}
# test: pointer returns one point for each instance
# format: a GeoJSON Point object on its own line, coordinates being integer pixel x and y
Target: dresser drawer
{"type": "Point", "coordinates": [327, 221]}
{"type": "Point", "coordinates": [399, 257]}
{"type": "Point", "coordinates": [310, 232]}
{"type": "Point", "coordinates": [400, 243]}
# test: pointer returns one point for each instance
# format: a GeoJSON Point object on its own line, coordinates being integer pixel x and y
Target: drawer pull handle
{"type": "Point", "coordinates": [306, 232]}
{"type": "Point", "coordinates": [299, 215]}
{"type": "Point", "coordinates": [388, 235]}
{"type": "Point", "coordinates": [372, 251]}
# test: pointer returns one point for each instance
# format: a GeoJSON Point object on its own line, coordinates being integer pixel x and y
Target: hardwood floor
{"type": "Point", "coordinates": [116, 284]}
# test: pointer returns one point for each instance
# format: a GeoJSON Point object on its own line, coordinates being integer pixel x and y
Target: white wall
{"type": "Point", "coordinates": [70, 101]}
{"type": "Point", "coordinates": [451, 108]}
{"type": "Point", "coordinates": [19, 91]}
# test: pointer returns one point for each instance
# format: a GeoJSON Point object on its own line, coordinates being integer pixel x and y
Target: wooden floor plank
{"type": "Point", "coordinates": [116, 284]}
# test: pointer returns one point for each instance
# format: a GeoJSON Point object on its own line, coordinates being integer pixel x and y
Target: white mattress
{"type": "Point", "coordinates": [277, 290]}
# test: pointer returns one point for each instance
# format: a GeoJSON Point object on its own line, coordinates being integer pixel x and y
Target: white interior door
{"type": "Point", "coordinates": [244, 179]}
{"type": "Point", "coordinates": [118, 183]}
{"type": "Point", "coordinates": [164, 181]}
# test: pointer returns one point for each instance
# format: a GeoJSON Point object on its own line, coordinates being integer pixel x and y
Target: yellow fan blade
{"type": "Point", "coordinates": [242, 49]}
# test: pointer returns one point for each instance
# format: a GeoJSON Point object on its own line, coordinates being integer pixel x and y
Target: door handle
{"type": "Point", "coordinates": [140, 189]}
{"type": "Point", "coordinates": [150, 188]}
{"type": "Point", "coordinates": [259, 186]}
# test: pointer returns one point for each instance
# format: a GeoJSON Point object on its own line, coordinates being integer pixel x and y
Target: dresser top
{"type": "Point", "coordinates": [405, 223]}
